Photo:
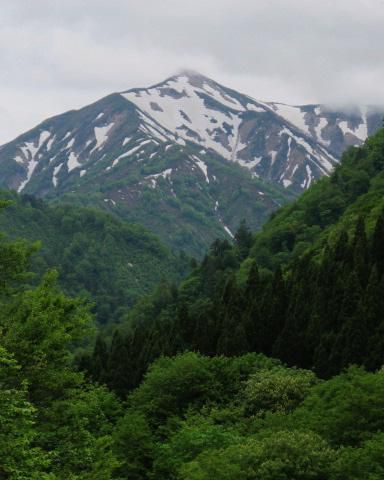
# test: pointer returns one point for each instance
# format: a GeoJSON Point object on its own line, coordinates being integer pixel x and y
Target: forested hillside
{"type": "Point", "coordinates": [191, 277]}
{"type": "Point", "coordinates": [218, 412]}
{"type": "Point", "coordinates": [108, 261]}
{"type": "Point", "coordinates": [307, 290]}
{"type": "Point", "coordinates": [192, 418]}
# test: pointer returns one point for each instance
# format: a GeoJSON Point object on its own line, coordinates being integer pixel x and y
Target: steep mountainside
{"type": "Point", "coordinates": [187, 153]}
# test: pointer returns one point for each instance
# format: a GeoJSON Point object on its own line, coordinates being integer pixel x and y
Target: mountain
{"type": "Point", "coordinates": [107, 260]}
{"type": "Point", "coordinates": [188, 158]}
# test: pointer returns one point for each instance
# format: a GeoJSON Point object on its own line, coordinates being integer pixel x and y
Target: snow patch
{"type": "Point", "coordinates": [202, 165]}
{"type": "Point", "coordinates": [127, 154]}
{"type": "Point", "coordinates": [87, 143]}
{"type": "Point", "coordinates": [56, 170]}
{"type": "Point", "coordinates": [153, 178]}
{"type": "Point", "coordinates": [101, 135]}
{"type": "Point", "coordinates": [30, 169]}
{"type": "Point", "coordinates": [273, 154]}
{"type": "Point", "coordinates": [172, 118]}
{"type": "Point", "coordinates": [255, 108]}
{"type": "Point", "coordinates": [229, 231]}
{"type": "Point", "coordinates": [29, 151]}
{"type": "Point", "coordinates": [50, 143]}
{"type": "Point", "coordinates": [250, 163]}
{"type": "Point", "coordinates": [294, 115]}
{"type": "Point", "coordinates": [155, 129]}
{"type": "Point", "coordinates": [309, 176]}
{"type": "Point", "coordinates": [319, 129]}
{"type": "Point", "coordinates": [361, 132]}
{"type": "Point", "coordinates": [19, 159]}
{"type": "Point", "coordinates": [70, 143]}
{"type": "Point", "coordinates": [44, 135]}
{"type": "Point", "coordinates": [224, 99]}
{"type": "Point", "coordinates": [72, 162]}
{"type": "Point", "coordinates": [323, 162]}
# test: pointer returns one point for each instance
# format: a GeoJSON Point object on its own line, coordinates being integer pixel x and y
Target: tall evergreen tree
{"type": "Point", "coordinates": [100, 360]}
{"type": "Point", "coordinates": [378, 245]}
{"type": "Point", "coordinates": [350, 342]}
{"type": "Point", "coordinates": [119, 365]}
{"type": "Point", "coordinates": [360, 252]}
{"type": "Point", "coordinates": [243, 239]}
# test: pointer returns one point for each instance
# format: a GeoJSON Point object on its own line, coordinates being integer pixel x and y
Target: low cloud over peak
{"type": "Point", "coordinates": [59, 55]}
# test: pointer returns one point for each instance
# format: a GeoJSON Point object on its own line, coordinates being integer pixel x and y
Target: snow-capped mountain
{"type": "Point", "coordinates": [187, 149]}
{"type": "Point", "coordinates": [282, 143]}
{"type": "Point", "coordinates": [290, 145]}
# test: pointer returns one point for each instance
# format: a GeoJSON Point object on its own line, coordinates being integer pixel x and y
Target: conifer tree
{"type": "Point", "coordinates": [350, 343]}
{"type": "Point", "coordinates": [360, 252]}
{"type": "Point", "coordinates": [243, 239]}
{"type": "Point", "coordinates": [119, 365]}
{"type": "Point", "coordinates": [378, 245]}
{"type": "Point", "coordinates": [253, 282]}
{"type": "Point", "coordinates": [374, 308]}
{"type": "Point", "coordinates": [100, 360]}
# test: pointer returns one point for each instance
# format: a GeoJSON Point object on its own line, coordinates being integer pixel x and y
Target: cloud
{"type": "Point", "coordinates": [59, 55]}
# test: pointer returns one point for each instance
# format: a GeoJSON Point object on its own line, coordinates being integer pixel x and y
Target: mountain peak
{"type": "Point", "coordinates": [189, 73]}
{"type": "Point", "coordinates": [191, 77]}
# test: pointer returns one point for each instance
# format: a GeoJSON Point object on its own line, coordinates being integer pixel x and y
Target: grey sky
{"type": "Point", "coordinates": [61, 54]}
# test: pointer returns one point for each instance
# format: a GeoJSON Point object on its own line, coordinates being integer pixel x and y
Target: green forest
{"type": "Point", "coordinates": [99, 257]}
{"type": "Point", "coordinates": [264, 362]}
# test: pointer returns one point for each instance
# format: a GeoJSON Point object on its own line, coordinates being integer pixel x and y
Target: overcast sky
{"type": "Point", "coordinates": [56, 55]}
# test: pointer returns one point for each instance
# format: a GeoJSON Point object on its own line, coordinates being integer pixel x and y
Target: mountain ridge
{"type": "Point", "coordinates": [186, 152]}
{"type": "Point", "coordinates": [354, 126]}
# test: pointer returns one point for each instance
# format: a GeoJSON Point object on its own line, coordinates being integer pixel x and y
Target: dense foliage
{"type": "Point", "coordinates": [176, 396]}
{"type": "Point", "coordinates": [52, 424]}
{"type": "Point", "coordinates": [107, 260]}
{"type": "Point", "coordinates": [223, 418]}
{"type": "Point", "coordinates": [192, 417]}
